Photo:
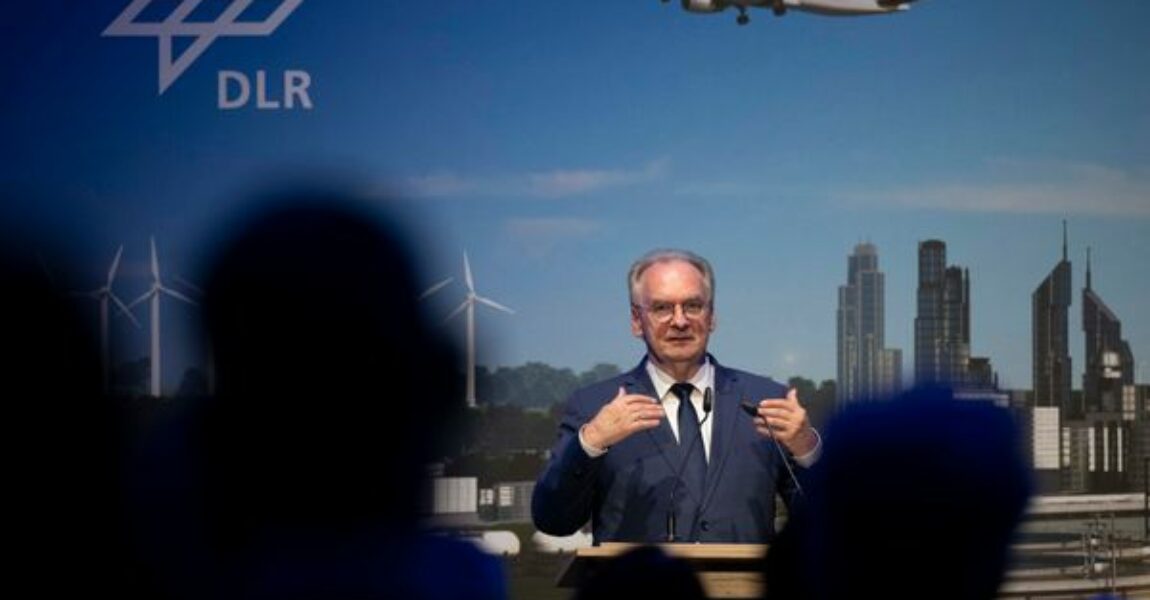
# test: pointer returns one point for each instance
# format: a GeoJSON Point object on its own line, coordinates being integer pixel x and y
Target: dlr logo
{"type": "Point", "coordinates": [235, 91]}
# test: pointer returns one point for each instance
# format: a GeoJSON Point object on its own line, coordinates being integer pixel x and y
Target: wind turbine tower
{"type": "Point", "coordinates": [469, 305]}
{"type": "Point", "coordinates": [153, 296]}
{"type": "Point", "coordinates": [105, 296]}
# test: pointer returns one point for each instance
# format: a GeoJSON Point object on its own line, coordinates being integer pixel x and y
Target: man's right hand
{"type": "Point", "coordinates": [623, 416]}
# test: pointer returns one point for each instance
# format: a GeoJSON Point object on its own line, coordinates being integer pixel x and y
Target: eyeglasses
{"type": "Point", "coordinates": [663, 312]}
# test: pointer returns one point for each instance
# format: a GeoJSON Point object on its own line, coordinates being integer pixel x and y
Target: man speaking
{"type": "Point", "coordinates": [670, 451]}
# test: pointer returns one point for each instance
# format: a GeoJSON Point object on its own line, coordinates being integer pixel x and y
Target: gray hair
{"type": "Point", "coordinates": [668, 255]}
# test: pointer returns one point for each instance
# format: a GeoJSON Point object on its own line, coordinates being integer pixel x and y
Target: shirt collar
{"type": "Point", "coordinates": [704, 378]}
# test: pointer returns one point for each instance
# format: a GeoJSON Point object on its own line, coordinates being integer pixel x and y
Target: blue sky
{"type": "Point", "coordinates": [556, 141]}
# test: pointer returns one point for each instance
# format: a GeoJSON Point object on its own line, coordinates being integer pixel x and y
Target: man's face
{"type": "Point", "coordinates": [679, 337]}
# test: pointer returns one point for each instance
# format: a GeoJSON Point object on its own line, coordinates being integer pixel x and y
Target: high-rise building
{"type": "Point", "coordinates": [1109, 396]}
{"type": "Point", "coordinates": [890, 370]}
{"type": "Point", "coordinates": [1139, 396]}
{"type": "Point", "coordinates": [942, 324]}
{"type": "Point", "coordinates": [866, 368]}
{"type": "Point", "coordinates": [928, 322]}
{"type": "Point", "coordinates": [1042, 433]}
{"type": "Point", "coordinates": [980, 374]}
{"type": "Point", "coordinates": [1050, 308]}
{"type": "Point", "coordinates": [1109, 361]}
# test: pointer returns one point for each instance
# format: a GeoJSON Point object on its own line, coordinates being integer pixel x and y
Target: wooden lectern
{"type": "Point", "coordinates": [726, 570]}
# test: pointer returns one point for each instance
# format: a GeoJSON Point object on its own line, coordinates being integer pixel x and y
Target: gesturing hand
{"type": "Point", "coordinates": [786, 419]}
{"type": "Point", "coordinates": [623, 416]}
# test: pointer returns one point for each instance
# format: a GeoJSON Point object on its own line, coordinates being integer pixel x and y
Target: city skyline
{"type": "Point", "coordinates": [907, 369]}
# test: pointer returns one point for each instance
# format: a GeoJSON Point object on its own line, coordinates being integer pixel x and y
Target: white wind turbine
{"type": "Point", "coordinates": [153, 295]}
{"type": "Point", "coordinates": [105, 296]}
{"type": "Point", "coordinates": [469, 305]}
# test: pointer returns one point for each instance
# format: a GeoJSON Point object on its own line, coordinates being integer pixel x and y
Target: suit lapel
{"type": "Point", "coordinates": [639, 382]}
{"type": "Point", "coordinates": [726, 414]}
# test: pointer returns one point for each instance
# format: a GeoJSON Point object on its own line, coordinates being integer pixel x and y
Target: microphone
{"type": "Point", "coordinates": [708, 403]}
{"type": "Point", "coordinates": [753, 410]}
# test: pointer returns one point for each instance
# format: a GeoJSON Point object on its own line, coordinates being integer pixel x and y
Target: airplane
{"type": "Point", "coordinates": [780, 7]}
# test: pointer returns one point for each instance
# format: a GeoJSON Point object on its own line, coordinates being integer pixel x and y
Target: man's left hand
{"type": "Point", "coordinates": [786, 419]}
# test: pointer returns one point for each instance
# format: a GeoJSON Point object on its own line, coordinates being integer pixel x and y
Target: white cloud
{"type": "Point", "coordinates": [569, 182]}
{"type": "Point", "coordinates": [724, 189]}
{"type": "Point", "coordinates": [538, 237]}
{"type": "Point", "coordinates": [555, 183]}
{"type": "Point", "coordinates": [1025, 187]}
{"type": "Point", "coordinates": [440, 184]}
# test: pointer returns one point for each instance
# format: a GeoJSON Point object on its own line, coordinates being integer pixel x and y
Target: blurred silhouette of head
{"type": "Point", "coordinates": [918, 496]}
{"type": "Point", "coordinates": [332, 390]}
{"type": "Point", "coordinates": [644, 572]}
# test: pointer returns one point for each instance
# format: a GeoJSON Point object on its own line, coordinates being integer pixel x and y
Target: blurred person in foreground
{"type": "Point", "coordinates": [333, 393]}
{"type": "Point", "coordinates": [915, 497]}
{"type": "Point", "coordinates": [66, 526]}
{"type": "Point", "coordinates": [666, 452]}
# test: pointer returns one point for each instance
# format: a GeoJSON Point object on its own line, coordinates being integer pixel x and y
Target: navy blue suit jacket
{"type": "Point", "coordinates": [626, 493]}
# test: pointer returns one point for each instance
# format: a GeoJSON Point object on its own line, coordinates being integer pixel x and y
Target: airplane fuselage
{"type": "Point", "coordinates": [821, 7]}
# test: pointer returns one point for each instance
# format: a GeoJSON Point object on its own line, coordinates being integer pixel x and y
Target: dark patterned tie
{"type": "Point", "coordinates": [695, 469]}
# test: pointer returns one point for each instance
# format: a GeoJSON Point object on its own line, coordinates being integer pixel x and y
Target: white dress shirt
{"type": "Point", "coordinates": [704, 378]}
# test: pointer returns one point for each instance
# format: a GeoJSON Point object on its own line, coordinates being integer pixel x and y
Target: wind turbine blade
{"type": "Point", "coordinates": [155, 261]}
{"type": "Point", "coordinates": [173, 293]}
{"type": "Point", "coordinates": [124, 309]}
{"type": "Point", "coordinates": [494, 304]}
{"type": "Point", "coordinates": [144, 296]}
{"type": "Point", "coordinates": [115, 266]}
{"type": "Point", "coordinates": [467, 273]}
{"type": "Point", "coordinates": [456, 311]}
{"type": "Point", "coordinates": [435, 288]}
{"type": "Point", "coordinates": [191, 286]}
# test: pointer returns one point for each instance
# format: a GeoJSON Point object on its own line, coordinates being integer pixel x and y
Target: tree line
{"type": "Point", "coordinates": [540, 386]}
{"type": "Point", "coordinates": [507, 436]}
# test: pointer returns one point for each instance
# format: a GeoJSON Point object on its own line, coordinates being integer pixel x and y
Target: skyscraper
{"type": "Point", "coordinates": [1109, 361]}
{"type": "Point", "coordinates": [1050, 307]}
{"type": "Point", "coordinates": [942, 324]}
{"type": "Point", "coordinates": [866, 368]}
